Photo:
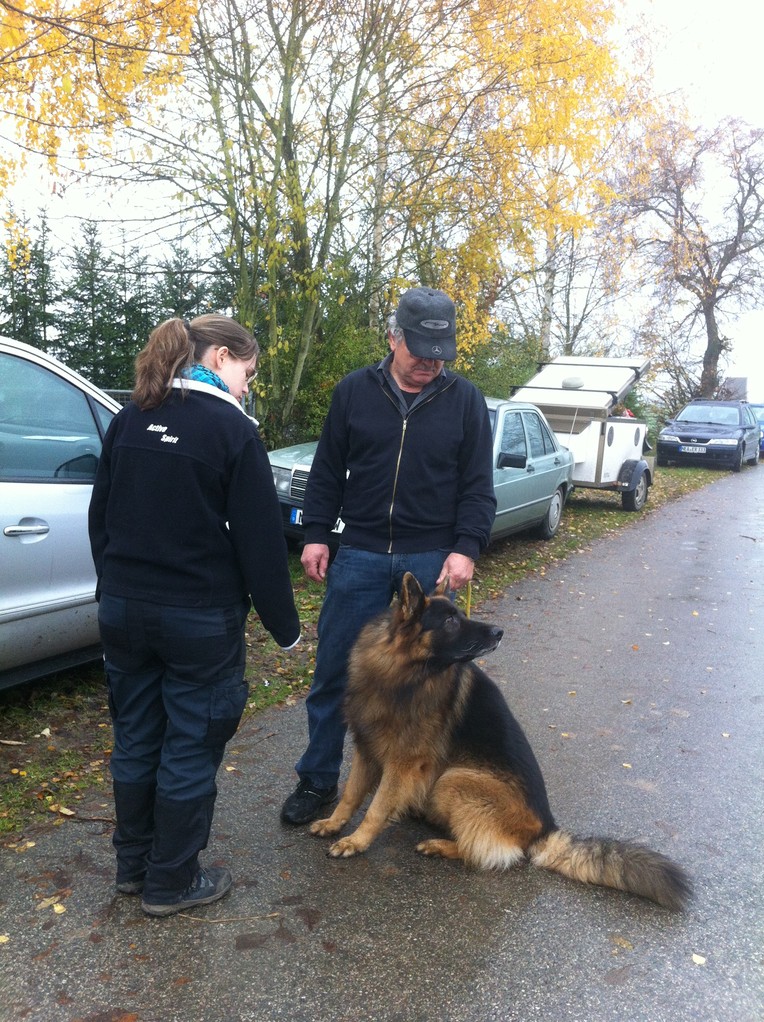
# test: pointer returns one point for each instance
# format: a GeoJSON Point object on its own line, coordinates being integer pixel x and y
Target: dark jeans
{"type": "Point", "coordinates": [359, 585]}
{"type": "Point", "coordinates": [176, 687]}
{"type": "Point", "coordinates": [176, 691]}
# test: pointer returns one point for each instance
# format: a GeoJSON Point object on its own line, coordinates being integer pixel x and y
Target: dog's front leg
{"type": "Point", "coordinates": [361, 780]}
{"type": "Point", "coordinates": [398, 791]}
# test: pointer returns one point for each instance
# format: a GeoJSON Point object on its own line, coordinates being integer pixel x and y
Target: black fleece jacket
{"type": "Point", "coordinates": [184, 511]}
{"type": "Point", "coordinates": [404, 480]}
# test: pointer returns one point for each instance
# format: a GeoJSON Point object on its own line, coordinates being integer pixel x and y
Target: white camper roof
{"type": "Point", "coordinates": [591, 385]}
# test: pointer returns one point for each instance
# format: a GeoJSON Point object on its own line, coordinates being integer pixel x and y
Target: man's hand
{"type": "Point", "coordinates": [458, 569]}
{"type": "Point", "coordinates": [315, 561]}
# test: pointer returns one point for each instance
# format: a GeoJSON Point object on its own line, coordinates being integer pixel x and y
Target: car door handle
{"type": "Point", "coordinates": [26, 530]}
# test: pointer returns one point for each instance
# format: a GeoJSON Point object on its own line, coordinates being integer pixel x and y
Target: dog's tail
{"type": "Point", "coordinates": [620, 864]}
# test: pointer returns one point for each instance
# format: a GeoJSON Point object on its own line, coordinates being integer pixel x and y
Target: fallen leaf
{"type": "Point", "coordinates": [4, 938]}
{"type": "Point", "coordinates": [725, 734]}
{"type": "Point", "coordinates": [47, 902]}
{"type": "Point", "coordinates": [59, 909]}
{"type": "Point", "coordinates": [699, 959]}
{"type": "Point", "coordinates": [626, 766]}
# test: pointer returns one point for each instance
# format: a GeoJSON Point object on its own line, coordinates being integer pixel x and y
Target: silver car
{"type": "Point", "coordinates": [52, 423]}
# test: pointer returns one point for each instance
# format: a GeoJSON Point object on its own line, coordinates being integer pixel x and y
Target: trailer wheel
{"type": "Point", "coordinates": [551, 523]}
{"type": "Point", "coordinates": [635, 500]}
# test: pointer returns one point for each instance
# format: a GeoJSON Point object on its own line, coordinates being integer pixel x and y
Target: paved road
{"type": "Point", "coordinates": [637, 668]}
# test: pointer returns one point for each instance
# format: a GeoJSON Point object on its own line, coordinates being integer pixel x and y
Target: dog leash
{"type": "Point", "coordinates": [468, 599]}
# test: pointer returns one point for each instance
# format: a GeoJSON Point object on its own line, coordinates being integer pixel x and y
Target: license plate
{"type": "Point", "coordinates": [295, 517]}
{"type": "Point", "coordinates": [692, 449]}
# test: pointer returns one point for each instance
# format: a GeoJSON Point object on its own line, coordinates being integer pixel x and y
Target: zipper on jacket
{"type": "Point", "coordinates": [398, 460]}
{"type": "Point", "coordinates": [395, 487]}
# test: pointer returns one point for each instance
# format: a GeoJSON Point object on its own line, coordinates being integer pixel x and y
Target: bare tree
{"type": "Point", "coordinates": [700, 213]}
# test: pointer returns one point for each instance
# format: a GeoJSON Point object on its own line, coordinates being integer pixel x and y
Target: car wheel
{"type": "Point", "coordinates": [548, 528]}
{"type": "Point", "coordinates": [737, 464]}
{"type": "Point", "coordinates": [635, 500]}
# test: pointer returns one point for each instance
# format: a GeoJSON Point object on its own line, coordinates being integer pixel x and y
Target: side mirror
{"type": "Point", "coordinates": [512, 460]}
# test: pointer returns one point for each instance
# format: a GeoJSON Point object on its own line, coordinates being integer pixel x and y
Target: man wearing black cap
{"type": "Point", "coordinates": [405, 456]}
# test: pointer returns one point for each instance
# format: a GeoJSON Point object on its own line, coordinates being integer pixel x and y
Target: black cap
{"type": "Point", "coordinates": [428, 320]}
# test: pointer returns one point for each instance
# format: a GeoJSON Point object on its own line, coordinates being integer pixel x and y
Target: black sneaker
{"type": "Point", "coordinates": [130, 886]}
{"type": "Point", "coordinates": [305, 802]}
{"type": "Point", "coordinates": [207, 886]}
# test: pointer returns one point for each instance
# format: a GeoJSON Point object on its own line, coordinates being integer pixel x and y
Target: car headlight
{"type": "Point", "coordinates": [669, 437]}
{"type": "Point", "coordinates": [282, 478]}
{"type": "Point", "coordinates": [722, 442]}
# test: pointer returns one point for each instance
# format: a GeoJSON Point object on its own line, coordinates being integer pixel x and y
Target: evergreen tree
{"type": "Point", "coordinates": [92, 336]}
{"type": "Point", "coordinates": [27, 288]}
{"type": "Point", "coordinates": [139, 313]}
{"type": "Point", "coordinates": [181, 288]}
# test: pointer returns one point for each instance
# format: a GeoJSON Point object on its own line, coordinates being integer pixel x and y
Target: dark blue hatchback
{"type": "Point", "coordinates": [715, 433]}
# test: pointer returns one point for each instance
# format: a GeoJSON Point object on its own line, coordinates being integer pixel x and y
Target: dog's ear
{"type": "Point", "coordinates": [412, 597]}
{"type": "Point", "coordinates": [442, 588]}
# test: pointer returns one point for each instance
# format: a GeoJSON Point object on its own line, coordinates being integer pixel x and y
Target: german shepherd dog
{"type": "Point", "coordinates": [434, 737]}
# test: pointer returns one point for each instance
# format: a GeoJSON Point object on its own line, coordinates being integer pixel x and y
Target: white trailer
{"type": "Point", "coordinates": [580, 396]}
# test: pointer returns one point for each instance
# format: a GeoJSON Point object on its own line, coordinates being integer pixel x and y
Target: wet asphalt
{"type": "Point", "coordinates": [637, 669]}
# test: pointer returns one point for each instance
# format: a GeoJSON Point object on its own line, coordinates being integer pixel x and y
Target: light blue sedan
{"type": "Point", "coordinates": [532, 474]}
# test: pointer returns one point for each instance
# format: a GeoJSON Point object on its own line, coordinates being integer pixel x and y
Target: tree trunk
{"type": "Point", "coordinates": [709, 378]}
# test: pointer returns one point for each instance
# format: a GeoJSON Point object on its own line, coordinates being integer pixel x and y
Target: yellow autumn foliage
{"type": "Point", "coordinates": [533, 86]}
{"type": "Point", "coordinates": [18, 247]}
{"type": "Point", "coordinates": [73, 69]}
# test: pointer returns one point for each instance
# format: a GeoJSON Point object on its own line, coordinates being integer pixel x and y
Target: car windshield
{"type": "Point", "coordinates": [724, 415]}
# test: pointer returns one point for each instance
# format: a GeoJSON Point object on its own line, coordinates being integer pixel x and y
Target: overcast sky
{"type": "Point", "coordinates": [711, 50]}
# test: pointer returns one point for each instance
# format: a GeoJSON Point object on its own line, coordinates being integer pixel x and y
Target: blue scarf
{"type": "Point", "coordinates": [202, 374]}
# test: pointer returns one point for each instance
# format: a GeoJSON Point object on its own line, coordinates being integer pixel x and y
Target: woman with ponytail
{"type": "Point", "coordinates": [186, 534]}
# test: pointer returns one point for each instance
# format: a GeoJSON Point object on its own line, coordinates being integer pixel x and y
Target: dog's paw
{"type": "Point", "coordinates": [325, 828]}
{"type": "Point", "coordinates": [439, 847]}
{"type": "Point", "coordinates": [345, 848]}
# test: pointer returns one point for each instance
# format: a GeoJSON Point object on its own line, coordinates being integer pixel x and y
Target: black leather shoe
{"type": "Point", "coordinates": [305, 802]}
